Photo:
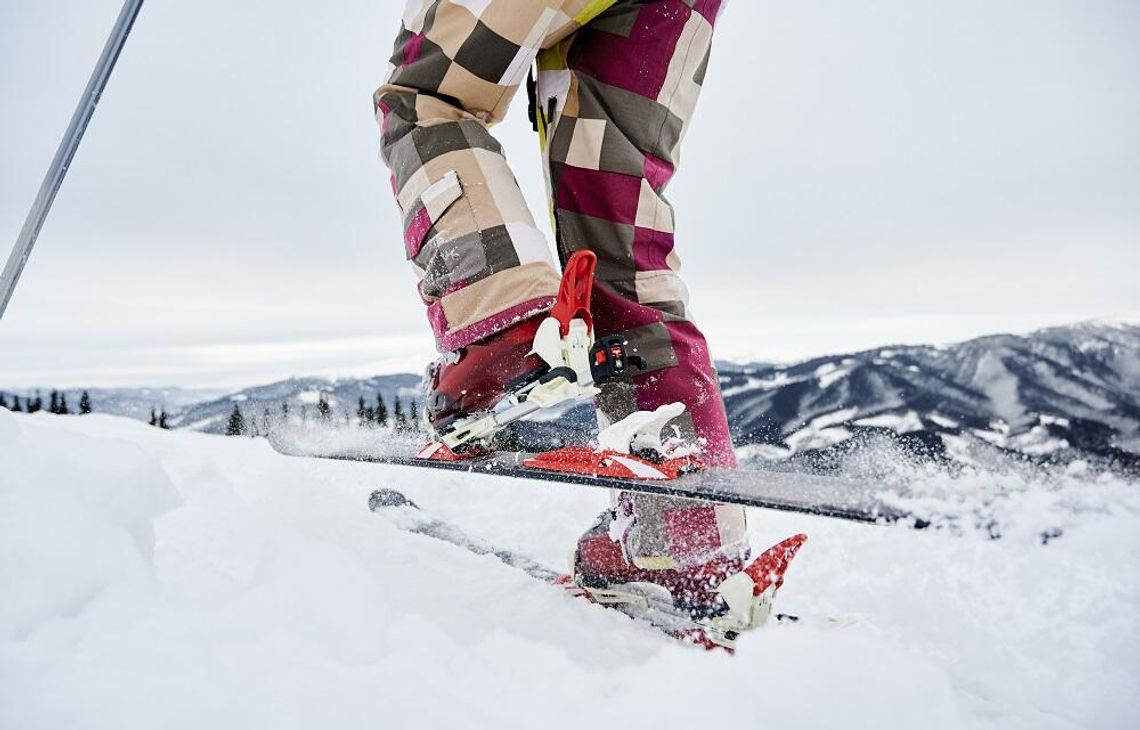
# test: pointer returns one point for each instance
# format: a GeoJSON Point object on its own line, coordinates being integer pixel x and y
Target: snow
{"type": "Point", "coordinates": [830, 373]}
{"type": "Point", "coordinates": [181, 580]}
{"type": "Point", "coordinates": [819, 432]}
{"type": "Point", "coordinates": [958, 447]}
{"type": "Point", "coordinates": [310, 397]}
{"type": "Point", "coordinates": [1048, 420]}
{"type": "Point", "coordinates": [906, 423]}
{"type": "Point", "coordinates": [812, 438]}
{"type": "Point", "coordinates": [943, 421]}
{"type": "Point", "coordinates": [1000, 386]}
{"type": "Point", "coordinates": [995, 438]}
{"type": "Point", "coordinates": [830, 419]}
{"type": "Point", "coordinates": [777, 380]}
{"type": "Point", "coordinates": [765, 452]}
{"type": "Point", "coordinates": [1037, 441]}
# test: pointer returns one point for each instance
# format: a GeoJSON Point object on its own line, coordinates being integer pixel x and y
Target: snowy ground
{"type": "Point", "coordinates": [175, 580]}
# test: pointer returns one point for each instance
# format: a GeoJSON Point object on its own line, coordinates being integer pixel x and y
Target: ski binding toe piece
{"type": "Point", "coordinates": [622, 450]}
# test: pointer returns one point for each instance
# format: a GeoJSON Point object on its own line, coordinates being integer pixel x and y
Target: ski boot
{"type": "Point", "coordinates": [541, 362]}
{"type": "Point", "coordinates": [476, 378]}
{"type": "Point", "coordinates": [709, 604]}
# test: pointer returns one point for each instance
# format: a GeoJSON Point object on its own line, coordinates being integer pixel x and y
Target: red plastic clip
{"type": "Point", "coordinates": [574, 293]}
{"type": "Point", "coordinates": [768, 569]}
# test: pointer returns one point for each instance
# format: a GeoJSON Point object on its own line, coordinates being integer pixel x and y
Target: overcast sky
{"type": "Point", "coordinates": [858, 174]}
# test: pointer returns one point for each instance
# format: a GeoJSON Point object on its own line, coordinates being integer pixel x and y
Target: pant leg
{"type": "Point", "coordinates": [617, 99]}
{"type": "Point", "coordinates": [482, 262]}
{"type": "Point", "coordinates": [624, 90]}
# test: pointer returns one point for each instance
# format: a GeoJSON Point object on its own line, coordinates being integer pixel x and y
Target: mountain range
{"type": "Point", "coordinates": [1061, 394]}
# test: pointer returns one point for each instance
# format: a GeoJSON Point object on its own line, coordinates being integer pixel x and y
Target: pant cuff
{"type": "Point", "coordinates": [493, 304]}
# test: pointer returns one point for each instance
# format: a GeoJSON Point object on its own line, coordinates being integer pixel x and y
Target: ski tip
{"type": "Point", "coordinates": [768, 569]}
{"type": "Point", "coordinates": [789, 545]}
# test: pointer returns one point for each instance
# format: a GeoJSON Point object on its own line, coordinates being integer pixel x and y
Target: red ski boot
{"type": "Point", "coordinates": [600, 564]}
{"type": "Point", "coordinates": [473, 380]}
{"type": "Point", "coordinates": [708, 604]}
{"type": "Point", "coordinates": [541, 362]}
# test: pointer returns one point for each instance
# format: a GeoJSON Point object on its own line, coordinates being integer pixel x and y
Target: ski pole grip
{"type": "Point", "coordinates": [574, 293]}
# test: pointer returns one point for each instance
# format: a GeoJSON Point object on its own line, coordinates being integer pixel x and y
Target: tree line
{"type": "Point", "coordinates": [368, 415]}
{"type": "Point", "coordinates": [57, 403]}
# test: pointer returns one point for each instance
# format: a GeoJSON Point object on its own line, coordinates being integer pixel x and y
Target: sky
{"type": "Point", "coordinates": [857, 174]}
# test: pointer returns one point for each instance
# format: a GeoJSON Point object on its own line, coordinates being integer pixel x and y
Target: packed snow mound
{"type": "Point", "coordinates": [176, 579]}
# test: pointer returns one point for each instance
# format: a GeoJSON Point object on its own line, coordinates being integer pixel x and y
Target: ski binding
{"type": "Point", "coordinates": [575, 365]}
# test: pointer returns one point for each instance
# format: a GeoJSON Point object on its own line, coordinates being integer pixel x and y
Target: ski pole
{"type": "Point", "coordinates": [66, 151]}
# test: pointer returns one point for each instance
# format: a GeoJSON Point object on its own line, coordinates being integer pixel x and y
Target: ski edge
{"type": "Point", "coordinates": [509, 464]}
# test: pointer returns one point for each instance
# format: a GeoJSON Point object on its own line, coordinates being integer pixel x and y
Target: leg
{"type": "Point", "coordinates": [618, 98]}
{"type": "Point", "coordinates": [482, 263]}
{"type": "Point", "coordinates": [625, 88]}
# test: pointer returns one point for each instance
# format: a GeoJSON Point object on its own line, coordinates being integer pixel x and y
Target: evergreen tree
{"type": "Point", "coordinates": [399, 421]}
{"type": "Point", "coordinates": [323, 410]}
{"type": "Point", "coordinates": [36, 404]}
{"type": "Point", "coordinates": [84, 403]}
{"type": "Point", "coordinates": [162, 420]}
{"type": "Point", "coordinates": [63, 409]}
{"type": "Point", "coordinates": [16, 408]}
{"type": "Point", "coordinates": [285, 412]}
{"type": "Point", "coordinates": [413, 417]}
{"type": "Point", "coordinates": [236, 425]}
{"type": "Point", "coordinates": [381, 410]}
{"type": "Point", "coordinates": [265, 419]}
{"type": "Point", "coordinates": [3, 401]}
{"type": "Point", "coordinates": [361, 412]}
{"type": "Point", "coordinates": [153, 417]}
{"type": "Point", "coordinates": [54, 403]}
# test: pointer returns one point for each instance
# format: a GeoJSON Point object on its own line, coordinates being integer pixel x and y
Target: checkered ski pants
{"type": "Point", "coordinates": [616, 87]}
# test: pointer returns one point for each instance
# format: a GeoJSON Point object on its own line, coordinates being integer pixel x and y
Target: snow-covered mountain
{"type": "Point", "coordinates": [301, 396]}
{"type": "Point", "coordinates": [1059, 393]}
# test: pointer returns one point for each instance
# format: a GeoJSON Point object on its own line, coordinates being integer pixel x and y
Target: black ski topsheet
{"type": "Point", "coordinates": [809, 494]}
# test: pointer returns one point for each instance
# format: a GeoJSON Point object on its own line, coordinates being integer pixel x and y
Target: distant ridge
{"type": "Point", "coordinates": [1059, 394]}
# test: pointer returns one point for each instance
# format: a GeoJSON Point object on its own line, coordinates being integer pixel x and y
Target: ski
{"type": "Point", "coordinates": [649, 608]}
{"type": "Point", "coordinates": [808, 494]}
{"type": "Point", "coordinates": [630, 455]}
